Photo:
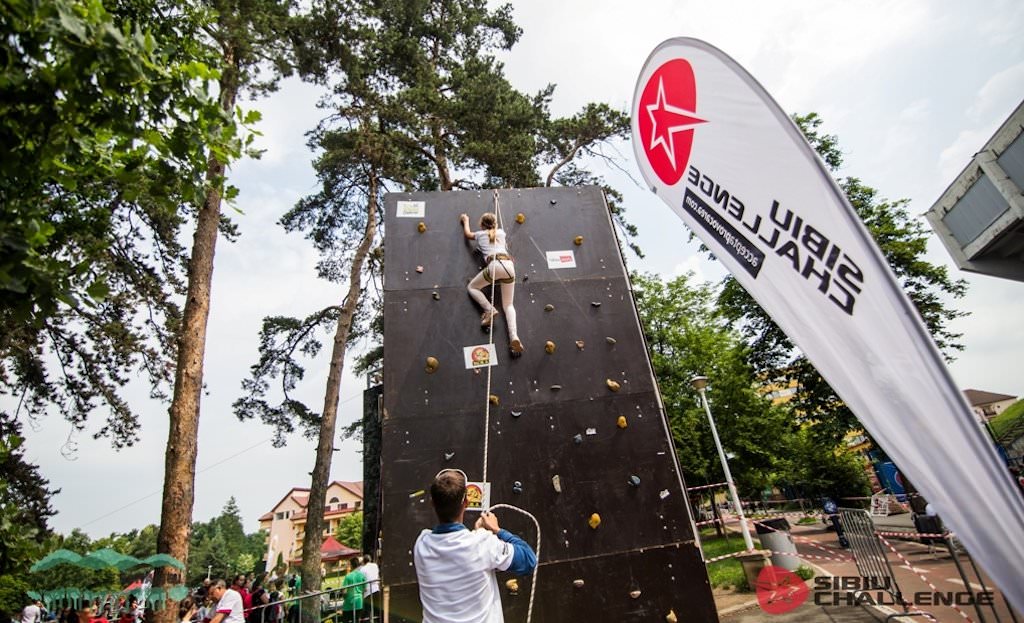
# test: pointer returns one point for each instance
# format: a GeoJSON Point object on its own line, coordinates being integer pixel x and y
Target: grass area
{"type": "Point", "coordinates": [726, 573]}
{"type": "Point", "coordinates": [1002, 422]}
{"type": "Point", "coordinates": [806, 521]}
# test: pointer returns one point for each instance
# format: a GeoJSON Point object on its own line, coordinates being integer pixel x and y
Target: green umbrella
{"type": "Point", "coordinates": [105, 559]}
{"type": "Point", "coordinates": [163, 560]}
{"type": "Point", "coordinates": [56, 557]}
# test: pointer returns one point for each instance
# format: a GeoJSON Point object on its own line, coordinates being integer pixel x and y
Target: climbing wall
{"type": "Point", "coordinates": [586, 416]}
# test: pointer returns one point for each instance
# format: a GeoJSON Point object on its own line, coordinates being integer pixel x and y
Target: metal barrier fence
{"type": "Point", "coordinates": [326, 606]}
{"type": "Point", "coordinates": [871, 559]}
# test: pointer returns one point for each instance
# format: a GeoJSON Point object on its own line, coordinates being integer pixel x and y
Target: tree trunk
{"type": "Point", "coordinates": [313, 539]}
{"type": "Point", "coordinates": [180, 458]}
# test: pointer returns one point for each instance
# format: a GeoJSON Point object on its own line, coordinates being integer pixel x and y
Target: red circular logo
{"type": "Point", "coordinates": [666, 118]}
{"type": "Point", "coordinates": [780, 590]}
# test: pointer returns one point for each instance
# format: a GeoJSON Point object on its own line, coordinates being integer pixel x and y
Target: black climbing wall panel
{"type": "Point", "coordinates": [556, 415]}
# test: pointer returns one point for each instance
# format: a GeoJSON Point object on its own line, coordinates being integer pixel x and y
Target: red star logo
{"type": "Point", "coordinates": [666, 119]}
{"type": "Point", "coordinates": [780, 590]}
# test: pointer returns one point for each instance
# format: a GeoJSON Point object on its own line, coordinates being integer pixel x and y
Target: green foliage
{"type": "Point", "coordinates": [1007, 420]}
{"type": "Point", "coordinates": [813, 468]}
{"type": "Point", "coordinates": [12, 593]}
{"type": "Point", "coordinates": [805, 573]}
{"type": "Point", "coordinates": [19, 531]}
{"type": "Point", "coordinates": [350, 530]}
{"type": "Point", "coordinates": [903, 241]}
{"type": "Point", "coordinates": [107, 123]}
{"type": "Point", "coordinates": [688, 337]}
{"type": "Point", "coordinates": [222, 545]}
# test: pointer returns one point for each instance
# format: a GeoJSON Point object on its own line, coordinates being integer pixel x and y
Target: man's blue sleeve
{"type": "Point", "coordinates": [524, 561]}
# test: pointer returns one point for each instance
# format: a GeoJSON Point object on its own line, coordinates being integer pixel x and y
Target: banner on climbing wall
{"type": "Point", "coordinates": [714, 146]}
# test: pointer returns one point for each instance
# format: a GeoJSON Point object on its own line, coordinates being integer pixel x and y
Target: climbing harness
{"type": "Point", "coordinates": [487, 425]}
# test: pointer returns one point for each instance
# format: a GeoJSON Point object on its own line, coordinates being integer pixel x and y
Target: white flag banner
{"type": "Point", "coordinates": [714, 146]}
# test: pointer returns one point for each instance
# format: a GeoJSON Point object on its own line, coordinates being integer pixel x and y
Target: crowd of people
{"type": "Point", "coordinates": [257, 598]}
{"type": "Point", "coordinates": [263, 600]}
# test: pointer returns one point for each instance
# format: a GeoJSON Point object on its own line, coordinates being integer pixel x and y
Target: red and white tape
{"type": "Point", "coordinates": [908, 566]}
{"type": "Point", "coordinates": [702, 487]}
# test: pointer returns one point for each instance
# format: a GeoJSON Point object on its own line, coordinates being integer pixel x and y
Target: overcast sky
{"type": "Point", "coordinates": [912, 89]}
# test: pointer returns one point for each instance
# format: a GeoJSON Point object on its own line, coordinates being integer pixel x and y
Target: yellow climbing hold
{"type": "Point", "coordinates": [493, 399]}
{"type": "Point", "coordinates": [432, 364]}
{"type": "Point", "coordinates": [578, 240]}
{"type": "Point", "coordinates": [671, 617]}
{"type": "Point", "coordinates": [594, 521]}
{"type": "Point", "coordinates": [520, 218]}
{"type": "Point", "coordinates": [549, 347]}
{"type": "Point", "coordinates": [422, 227]}
{"type": "Point", "coordinates": [513, 586]}
{"type": "Point", "coordinates": [622, 423]}
{"type": "Point", "coordinates": [612, 385]}
{"type": "Point", "coordinates": [634, 594]}
{"type": "Point", "coordinates": [580, 344]}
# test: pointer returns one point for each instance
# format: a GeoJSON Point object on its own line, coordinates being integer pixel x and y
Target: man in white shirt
{"type": "Point", "coordinates": [32, 612]}
{"type": "Point", "coordinates": [371, 591]}
{"type": "Point", "coordinates": [455, 566]}
{"type": "Point", "coordinates": [229, 607]}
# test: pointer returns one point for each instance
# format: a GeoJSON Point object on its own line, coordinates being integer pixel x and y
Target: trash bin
{"type": "Point", "coordinates": [774, 535]}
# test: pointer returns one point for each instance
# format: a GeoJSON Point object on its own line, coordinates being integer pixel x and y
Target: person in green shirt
{"type": "Point", "coordinates": [353, 587]}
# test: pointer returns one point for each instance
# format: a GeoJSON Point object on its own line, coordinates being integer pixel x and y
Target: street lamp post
{"type": "Point", "coordinates": [700, 384]}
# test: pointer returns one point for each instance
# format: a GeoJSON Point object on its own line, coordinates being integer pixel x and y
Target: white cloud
{"type": "Point", "coordinates": [1006, 87]}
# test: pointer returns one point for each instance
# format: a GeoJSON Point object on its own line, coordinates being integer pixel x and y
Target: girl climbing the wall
{"type": "Point", "coordinates": [498, 267]}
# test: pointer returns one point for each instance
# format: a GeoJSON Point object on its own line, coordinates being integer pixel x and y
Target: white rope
{"type": "Point", "coordinates": [490, 342]}
{"type": "Point", "coordinates": [487, 423]}
{"type": "Point", "coordinates": [533, 582]}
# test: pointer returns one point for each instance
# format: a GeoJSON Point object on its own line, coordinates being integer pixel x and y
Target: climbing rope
{"type": "Point", "coordinates": [490, 343]}
{"type": "Point", "coordinates": [533, 582]}
{"type": "Point", "coordinates": [487, 423]}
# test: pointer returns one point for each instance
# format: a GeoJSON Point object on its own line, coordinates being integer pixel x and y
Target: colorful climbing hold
{"type": "Point", "coordinates": [612, 341]}
{"type": "Point", "coordinates": [432, 364]}
{"type": "Point", "coordinates": [621, 422]}
{"type": "Point", "coordinates": [549, 347]}
{"type": "Point", "coordinates": [421, 227]}
{"type": "Point", "coordinates": [513, 586]}
{"type": "Point", "coordinates": [419, 269]}
{"type": "Point", "coordinates": [520, 218]}
{"type": "Point", "coordinates": [556, 482]}
{"type": "Point", "coordinates": [594, 521]}
{"type": "Point", "coordinates": [634, 480]}
{"type": "Point", "coordinates": [612, 385]}
{"type": "Point", "coordinates": [549, 307]}
{"type": "Point", "coordinates": [493, 400]}
{"type": "Point", "coordinates": [578, 583]}
{"type": "Point", "coordinates": [436, 295]}
{"type": "Point", "coordinates": [671, 617]}
{"type": "Point", "coordinates": [578, 240]}
{"type": "Point", "coordinates": [634, 594]}
{"type": "Point", "coordinates": [579, 344]}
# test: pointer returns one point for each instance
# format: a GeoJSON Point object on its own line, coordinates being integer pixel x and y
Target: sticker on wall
{"type": "Point", "coordinates": [478, 496]}
{"type": "Point", "coordinates": [480, 356]}
{"type": "Point", "coordinates": [411, 209]}
{"type": "Point", "coordinates": [561, 259]}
